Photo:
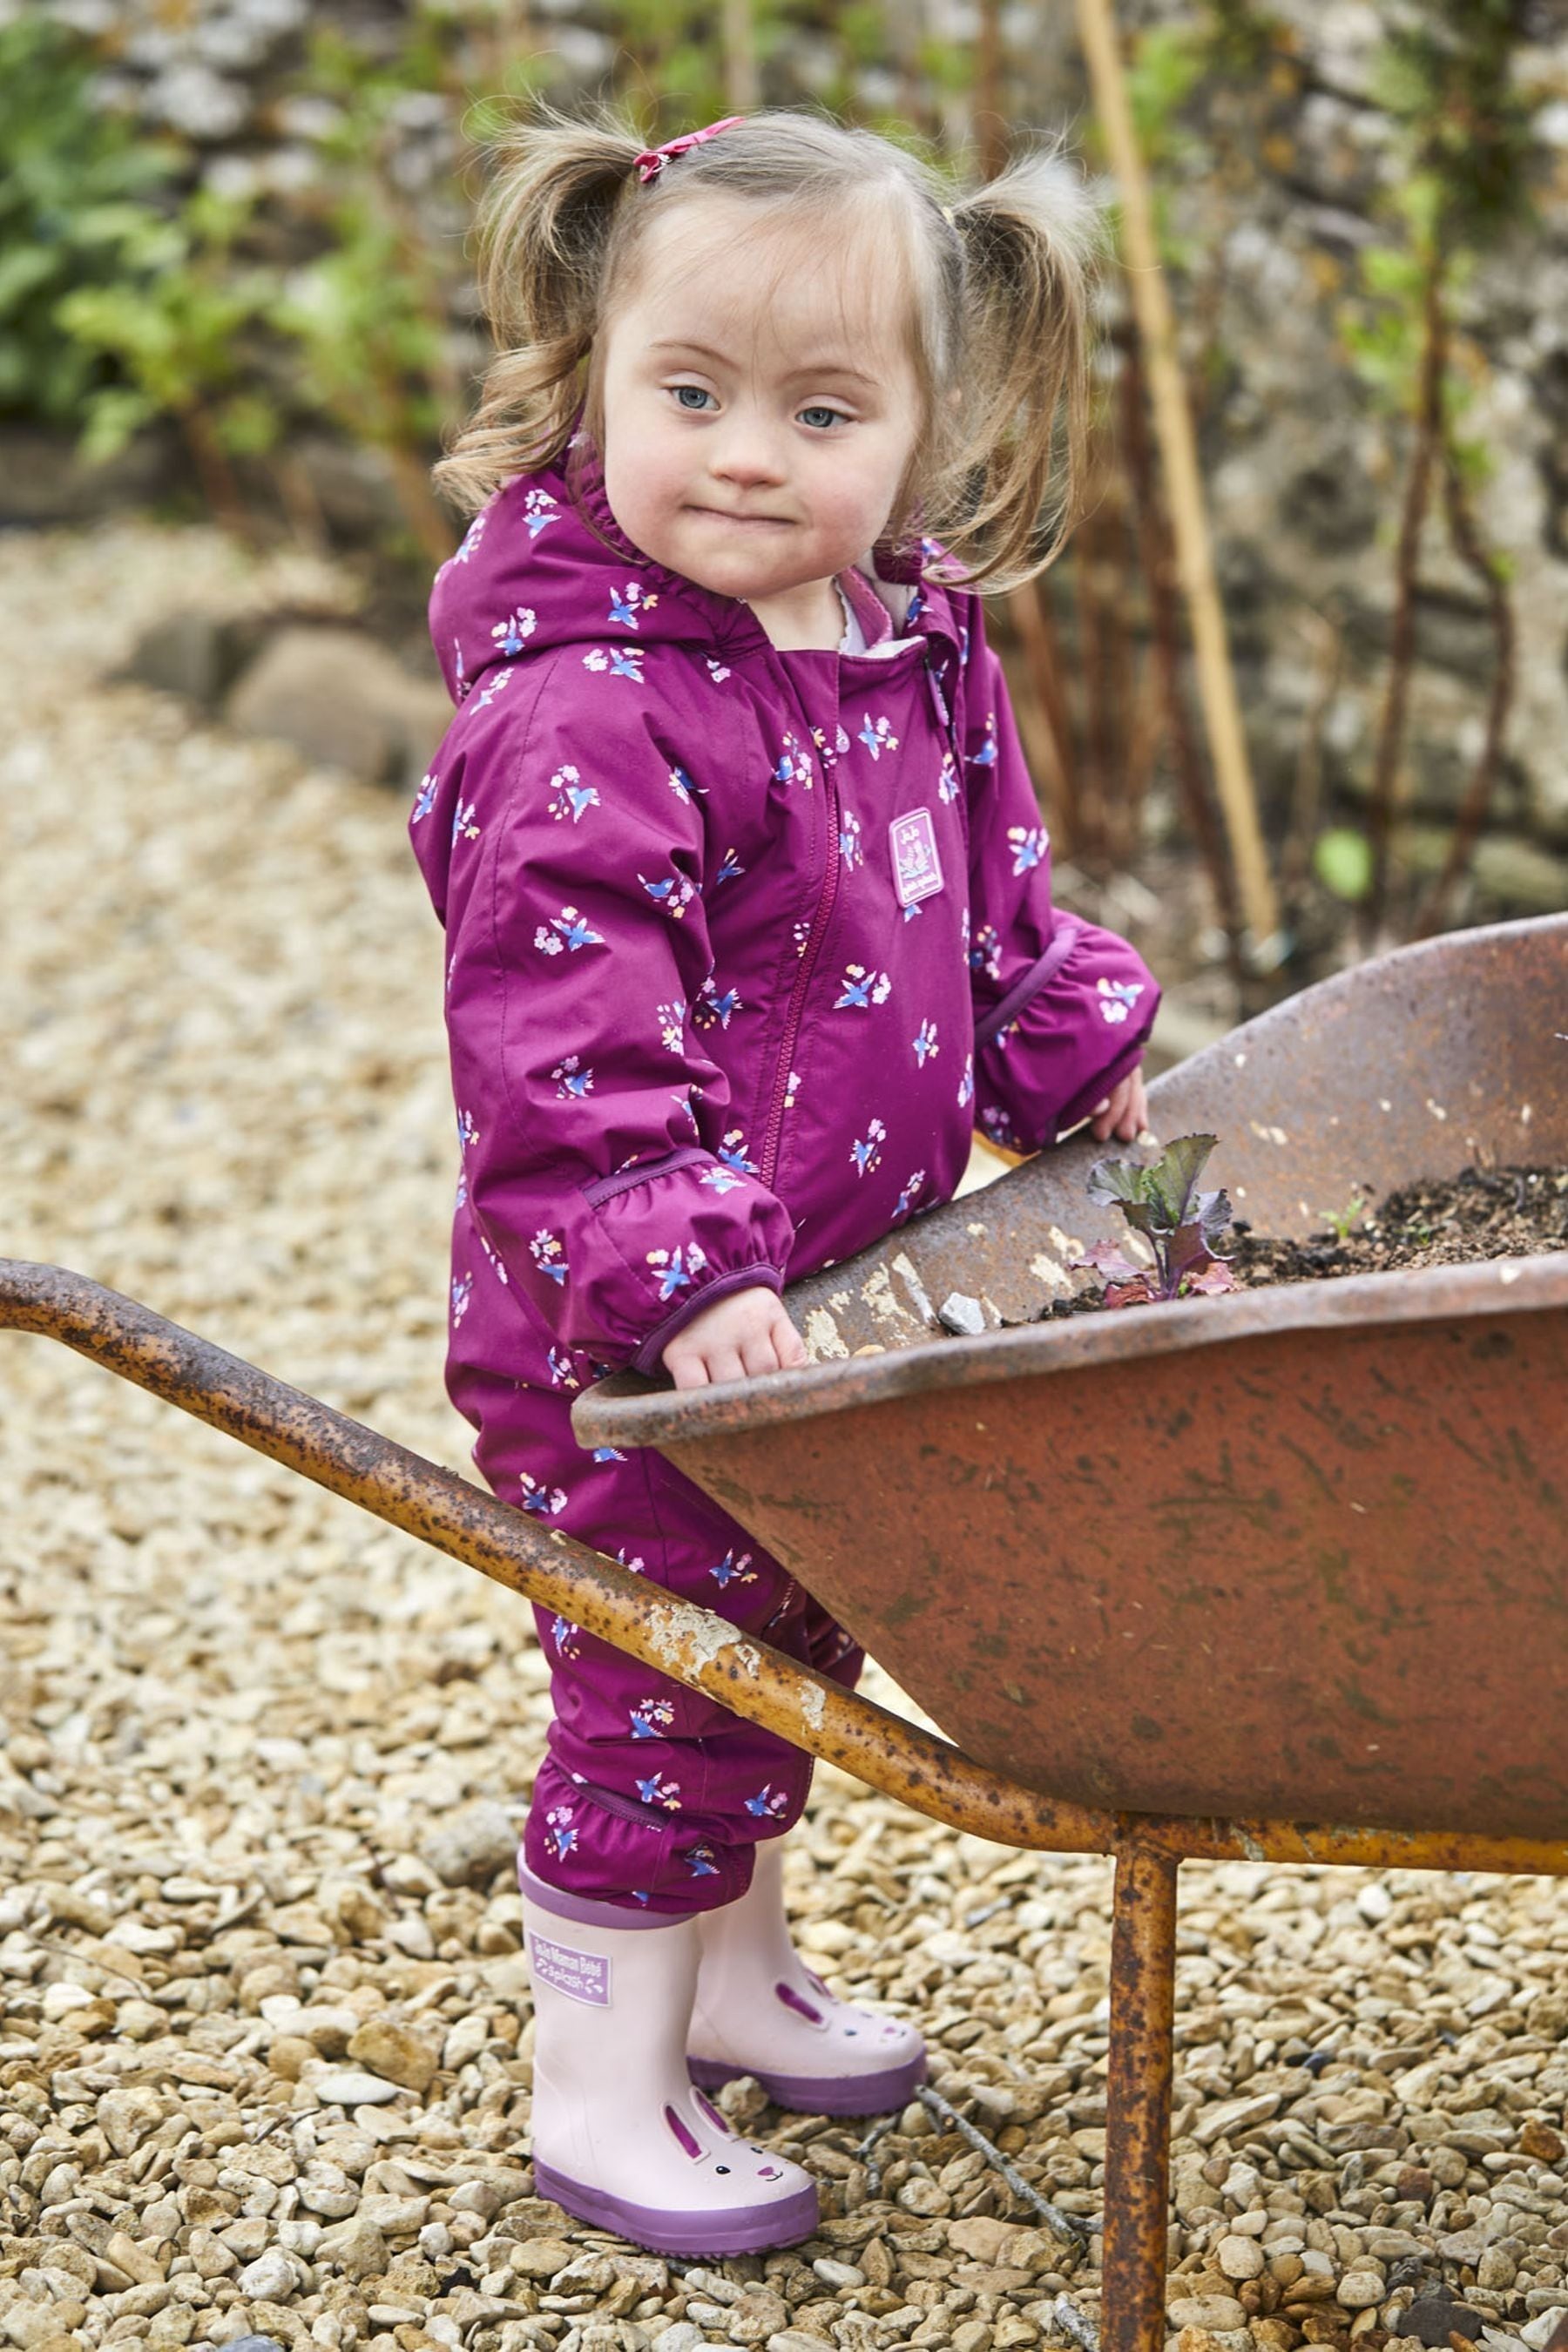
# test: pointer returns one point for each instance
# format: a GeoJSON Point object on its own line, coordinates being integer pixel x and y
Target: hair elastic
{"type": "Point", "coordinates": [652, 160]}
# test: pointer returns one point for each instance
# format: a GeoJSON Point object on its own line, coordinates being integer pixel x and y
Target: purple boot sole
{"type": "Point", "coordinates": [749, 2230]}
{"type": "Point", "coordinates": [821, 2094]}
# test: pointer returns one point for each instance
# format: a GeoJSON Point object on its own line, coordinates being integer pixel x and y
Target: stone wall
{"type": "Point", "coordinates": [1305, 478]}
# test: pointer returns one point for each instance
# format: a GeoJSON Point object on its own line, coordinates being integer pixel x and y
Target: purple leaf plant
{"type": "Point", "coordinates": [1182, 1225]}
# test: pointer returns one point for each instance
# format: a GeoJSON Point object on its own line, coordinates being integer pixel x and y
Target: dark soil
{"type": "Point", "coordinates": [1484, 1213]}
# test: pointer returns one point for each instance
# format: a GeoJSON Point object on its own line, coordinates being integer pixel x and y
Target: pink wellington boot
{"type": "Point", "coordinates": [622, 2138]}
{"type": "Point", "coordinates": [761, 2012]}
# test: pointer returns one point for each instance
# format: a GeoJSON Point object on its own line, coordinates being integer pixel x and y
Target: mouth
{"type": "Point", "coordinates": [750, 521]}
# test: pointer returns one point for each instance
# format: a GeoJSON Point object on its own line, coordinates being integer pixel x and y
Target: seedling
{"type": "Point", "coordinates": [1340, 1221]}
{"type": "Point", "coordinates": [1181, 1225]}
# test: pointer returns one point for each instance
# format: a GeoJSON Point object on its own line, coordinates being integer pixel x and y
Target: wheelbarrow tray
{"type": "Point", "coordinates": [1300, 1551]}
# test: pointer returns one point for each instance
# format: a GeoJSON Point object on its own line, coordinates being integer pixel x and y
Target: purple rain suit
{"type": "Point", "coordinates": [740, 945]}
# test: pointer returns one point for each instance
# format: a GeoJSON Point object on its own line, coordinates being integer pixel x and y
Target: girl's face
{"type": "Point", "coordinates": [760, 403]}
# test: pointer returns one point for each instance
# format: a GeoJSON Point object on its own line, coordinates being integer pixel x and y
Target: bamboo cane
{"type": "Point", "coordinates": [1178, 453]}
{"type": "Point", "coordinates": [739, 38]}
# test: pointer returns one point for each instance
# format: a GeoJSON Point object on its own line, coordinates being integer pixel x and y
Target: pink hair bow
{"type": "Point", "coordinates": [652, 160]}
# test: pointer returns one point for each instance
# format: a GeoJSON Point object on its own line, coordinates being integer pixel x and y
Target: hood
{"type": "Point", "coordinates": [545, 564]}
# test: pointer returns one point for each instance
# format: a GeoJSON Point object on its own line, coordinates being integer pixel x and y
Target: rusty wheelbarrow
{"type": "Point", "coordinates": [1281, 1574]}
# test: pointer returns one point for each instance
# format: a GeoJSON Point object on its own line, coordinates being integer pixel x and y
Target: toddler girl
{"type": "Point", "coordinates": [747, 901]}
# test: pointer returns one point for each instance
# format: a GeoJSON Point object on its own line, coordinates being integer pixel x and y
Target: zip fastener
{"type": "Point", "coordinates": [825, 905]}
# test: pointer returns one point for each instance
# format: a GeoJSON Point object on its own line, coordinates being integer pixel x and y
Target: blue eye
{"type": "Point", "coordinates": [831, 416]}
{"type": "Point", "coordinates": [681, 391]}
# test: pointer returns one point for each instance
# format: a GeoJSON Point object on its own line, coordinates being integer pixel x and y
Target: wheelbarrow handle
{"type": "Point", "coordinates": [692, 1645]}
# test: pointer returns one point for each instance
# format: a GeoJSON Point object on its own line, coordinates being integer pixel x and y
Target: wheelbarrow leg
{"type": "Point", "coordinates": [1138, 2100]}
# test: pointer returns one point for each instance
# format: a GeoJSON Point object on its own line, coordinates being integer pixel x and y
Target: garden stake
{"type": "Point", "coordinates": [1174, 430]}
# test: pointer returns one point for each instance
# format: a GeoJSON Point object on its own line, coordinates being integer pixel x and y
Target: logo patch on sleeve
{"type": "Point", "coordinates": [917, 868]}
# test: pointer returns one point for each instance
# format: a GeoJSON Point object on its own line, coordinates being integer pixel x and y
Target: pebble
{"type": "Point", "coordinates": [477, 1842]}
{"type": "Point", "coordinates": [540, 2258]}
{"type": "Point", "coordinates": [262, 2007]}
{"type": "Point", "coordinates": [1211, 2311]}
{"type": "Point", "coordinates": [346, 2086]}
{"type": "Point", "coordinates": [270, 2278]}
{"type": "Point", "coordinates": [355, 2247]}
{"type": "Point", "coordinates": [1239, 2257]}
{"type": "Point", "coordinates": [397, 2052]}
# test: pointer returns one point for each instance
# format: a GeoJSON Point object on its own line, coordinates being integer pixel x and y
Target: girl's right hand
{"type": "Point", "coordinates": [737, 1338]}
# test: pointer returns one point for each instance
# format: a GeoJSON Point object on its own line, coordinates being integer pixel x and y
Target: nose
{"type": "Point", "coordinates": [748, 453]}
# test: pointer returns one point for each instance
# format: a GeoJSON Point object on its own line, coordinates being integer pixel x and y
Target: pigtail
{"type": "Point", "coordinates": [1032, 241]}
{"type": "Point", "coordinates": [544, 229]}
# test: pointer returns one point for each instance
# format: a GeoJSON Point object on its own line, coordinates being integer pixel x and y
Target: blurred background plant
{"type": "Point", "coordinates": [234, 232]}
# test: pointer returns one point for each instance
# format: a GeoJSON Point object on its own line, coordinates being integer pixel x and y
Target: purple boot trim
{"type": "Point", "coordinates": [821, 2094]}
{"type": "Point", "coordinates": [587, 1913]}
{"type": "Point", "coordinates": [745, 2229]}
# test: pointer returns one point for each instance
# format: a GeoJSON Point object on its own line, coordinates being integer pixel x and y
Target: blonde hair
{"type": "Point", "coordinates": [1000, 279]}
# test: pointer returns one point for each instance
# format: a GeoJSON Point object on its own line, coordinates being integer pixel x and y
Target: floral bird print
{"type": "Point", "coordinates": [624, 603]}
{"type": "Point", "coordinates": [568, 930]}
{"type": "Point", "coordinates": [1117, 998]}
{"type": "Point", "coordinates": [544, 1501]}
{"type": "Point", "coordinates": [569, 796]}
{"type": "Point", "coordinates": [671, 1019]}
{"type": "Point", "coordinates": [862, 989]}
{"type": "Point", "coordinates": [904, 1205]}
{"type": "Point", "coordinates": [648, 1718]}
{"type": "Point", "coordinates": [733, 1570]}
{"type": "Point", "coordinates": [674, 893]}
{"type": "Point", "coordinates": [676, 1268]}
{"type": "Point", "coordinates": [510, 635]}
{"type": "Point", "coordinates": [711, 1006]}
{"type": "Point", "coordinates": [545, 1251]}
{"type": "Point", "coordinates": [867, 1154]}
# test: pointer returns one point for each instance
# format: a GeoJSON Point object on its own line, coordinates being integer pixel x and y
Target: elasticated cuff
{"type": "Point", "coordinates": [648, 1357]}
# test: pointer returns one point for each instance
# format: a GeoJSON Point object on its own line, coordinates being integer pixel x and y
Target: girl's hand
{"type": "Point", "coordinates": [1124, 1113]}
{"type": "Point", "coordinates": [737, 1338]}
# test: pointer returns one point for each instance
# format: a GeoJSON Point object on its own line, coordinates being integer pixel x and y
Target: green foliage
{"type": "Point", "coordinates": [174, 323]}
{"type": "Point", "coordinates": [368, 315]}
{"type": "Point", "coordinates": [1447, 76]}
{"type": "Point", "coordinates": [1160, 1200]}
{"type": "Point", "coordinates": [1340, 1221]}
{"type": "Point", "coordinates": [1342, 859]}
{"type": "Point", "coordinates": [1466, 133]}
{"type": "Point", "coordinates": [75, 216]}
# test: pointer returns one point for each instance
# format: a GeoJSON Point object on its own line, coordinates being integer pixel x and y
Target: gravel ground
{"type": "Point", "coordinates": [264, 2033]}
